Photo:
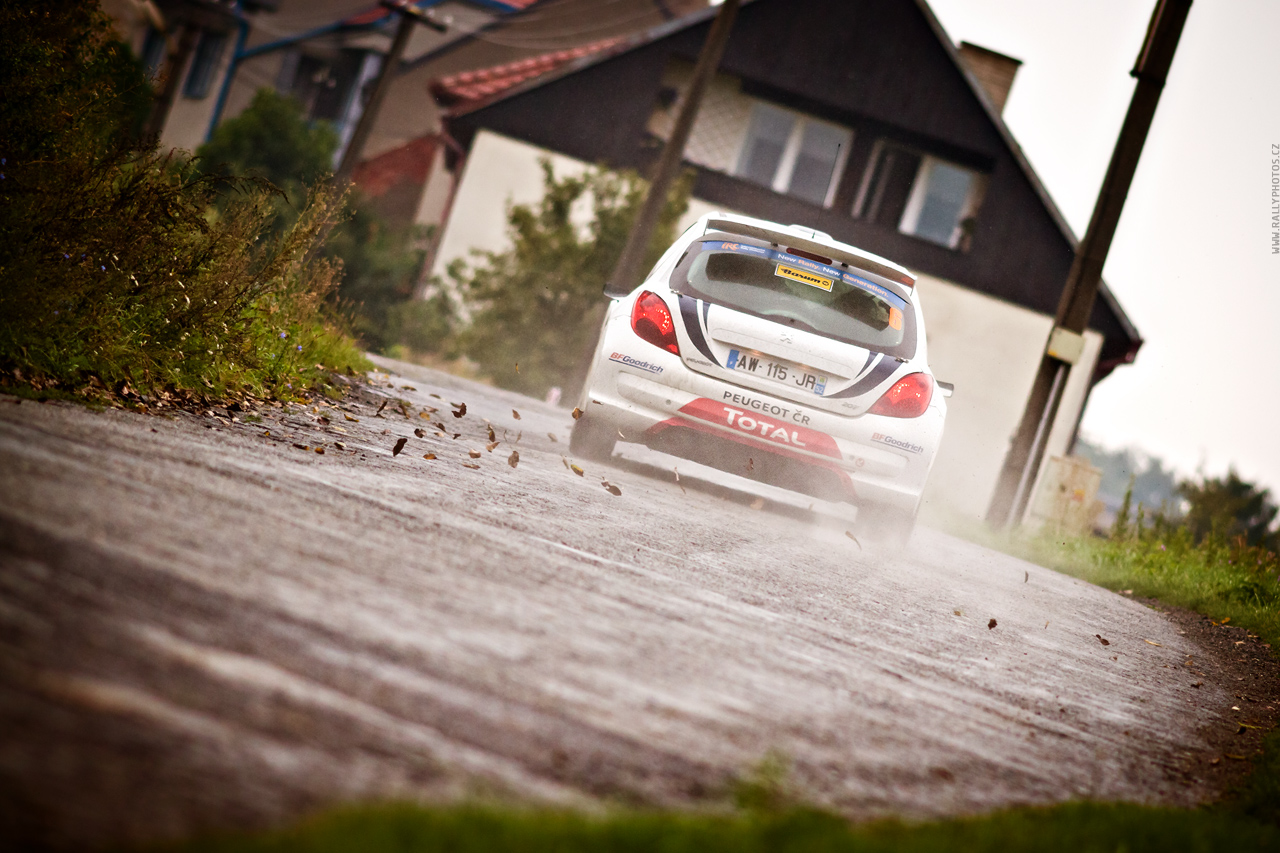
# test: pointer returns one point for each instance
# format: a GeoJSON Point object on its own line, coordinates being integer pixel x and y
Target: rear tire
{"type": "Point", "coordinates": [885, 525]}
{"type": "Point", "coordinates": [592, 439]}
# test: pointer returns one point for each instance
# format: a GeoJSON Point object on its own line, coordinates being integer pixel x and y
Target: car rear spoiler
{"type": "Point", "coordinates": [865, 262]}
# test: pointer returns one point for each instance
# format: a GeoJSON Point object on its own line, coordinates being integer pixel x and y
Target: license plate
{"type": "Point", "coordinates": [779, 371]}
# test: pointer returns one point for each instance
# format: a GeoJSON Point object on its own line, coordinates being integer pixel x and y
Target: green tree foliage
{"type": "Point", "coordinates": [1227, 507]}
{"type": "Point", "coordinates": [380, 263]}
{"type": "Point", "coordinates": [271, 139]}
{"type": "Point", "coordinates": [537, 307]}
{"type": "Point", "coordinates": [115, 267]}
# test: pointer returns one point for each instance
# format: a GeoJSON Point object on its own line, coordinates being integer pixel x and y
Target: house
{"type": "Point", "coordinates": [218, 53]}
{"type": "Point", "coordinates": [855, 117]}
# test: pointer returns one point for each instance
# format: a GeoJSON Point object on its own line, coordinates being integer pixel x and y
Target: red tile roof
{"type": "Point", "coordinates": [410, 163]}
{"type": "Point", "coordinates": [468, 87]}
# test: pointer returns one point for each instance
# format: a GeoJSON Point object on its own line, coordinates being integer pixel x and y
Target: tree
{"type": "Point", "coordinates": [537, 307]}
{"type": "Point", "coordinates": [1226, 507]}
{"type": "Point", "coordinates": [271, 139]}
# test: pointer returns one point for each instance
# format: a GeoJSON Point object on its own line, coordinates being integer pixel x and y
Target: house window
{"type": "Point", "coordinates": [203, 65]}
{"type": "Point", "coordinates": [153, 51]}
{"type": "Point", "coordinates": [793, 154]}
{"type": "Point", "coordinates": [920, 195]}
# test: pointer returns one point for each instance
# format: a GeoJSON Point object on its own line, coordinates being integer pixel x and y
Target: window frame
{"type": "Point", "coordinates": [785, 170]}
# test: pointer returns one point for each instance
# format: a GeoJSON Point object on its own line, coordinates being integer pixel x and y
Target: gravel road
{"type": "Point", "coordinates": [206, 623]}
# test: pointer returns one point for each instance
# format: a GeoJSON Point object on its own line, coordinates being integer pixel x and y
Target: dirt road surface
{"type": "Point", "coordinates": [206, 623]}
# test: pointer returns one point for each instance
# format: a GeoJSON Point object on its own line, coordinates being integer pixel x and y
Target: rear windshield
{"type": "Point", "coordinates": [798, 292]}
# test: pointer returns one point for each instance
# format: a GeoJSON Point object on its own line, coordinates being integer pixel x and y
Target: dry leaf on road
{"type": "Point", "coordinates": [400, 443]}
{"type": "Point", "coordinates": [419, 433]}
{"type": "Point", "coordinates": [991, 624]}
{"type": "Point", "coordinates": [459, 409]}
{"type": "Point", "coordinates": [514, 459]}
{"type": "Point", "coordinates": [428, 456]}
{"type": "Point", "coordinates": [577, 413]}
{"type": "Point", "coordinates": [611, 488]}
{"type": "Point", "coordinates": [1101, 640]}
{"type": "Point", "coordinates": [515, 414]}
{"type": "Point", "coordinates": [474, 454]}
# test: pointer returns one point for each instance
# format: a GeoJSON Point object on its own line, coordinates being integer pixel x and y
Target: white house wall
{"type": "Point", "coordinates": [499, 173]}
{"type": "Point", "coordinates": [990, 349]}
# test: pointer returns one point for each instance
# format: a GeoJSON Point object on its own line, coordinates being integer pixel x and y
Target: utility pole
{"type": "Point", "coordinates": [409, 16]}
{"type": "Point", "coordinates": [626, 274]}
{"type": "Point", "coordinates": [1013, 490]}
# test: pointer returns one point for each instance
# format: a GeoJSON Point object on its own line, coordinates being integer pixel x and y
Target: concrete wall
{"type": "Point", "coordinates": [989, 348]}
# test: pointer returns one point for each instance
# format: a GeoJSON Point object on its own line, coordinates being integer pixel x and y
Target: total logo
{"type": "Point", "coordinates": [635, 362]}
{"type": "Point", "coordinates": [771, 431]}
{"type": "Point", "coordinates": [897, 442]}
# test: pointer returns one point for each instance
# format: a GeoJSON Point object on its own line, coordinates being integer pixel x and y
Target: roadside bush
{"type": "Point", "coordinates": [536, 308]}
{"type": "Point", "coordinates": [117, 268]}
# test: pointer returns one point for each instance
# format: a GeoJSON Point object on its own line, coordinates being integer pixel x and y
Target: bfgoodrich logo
{"type": "Point", "coordinates": [635, 362]}
{"type": "Point", "coordinates": [897, 442]}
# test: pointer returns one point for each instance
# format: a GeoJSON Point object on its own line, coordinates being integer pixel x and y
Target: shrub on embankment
{"type": "Point", "coordinates": [122, 268]}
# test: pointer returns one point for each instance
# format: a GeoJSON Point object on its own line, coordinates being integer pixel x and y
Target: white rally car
{"type": "Point", "coordinates": [779, 354]}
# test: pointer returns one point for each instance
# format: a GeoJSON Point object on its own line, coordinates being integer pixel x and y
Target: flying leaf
{"type": "Point", "coordinates": [383, 406]}
{"type": "Point", "coordinates": [854, 538]}
{"type": "Point", "coordinates": [471, 465]}
{"type": "Point", "coordinates": [611, 488]}
{"type": "Point", "coordinates": [678, 483]}
{"type": "Point", "coordinates": [459, 410]}
{"type": "Point", "coordinates": [1150, 642]}
{"type": "Point", "coordinates": [492, 436]}
{"type": "Point", "coordinates": [474, 454]}
{"type": "Point", "coordinates": [577, 413]}
{"type": "Point", "coordinates": [958, 612]}
{"type": "Point", "coordinates": [758, 503]}
{"type": "Point", "coordinates": [751, 464]}
{"type": "Point", "coordinates": [565, 460]}
{"type": "Point", "coordinates": [1101, 640]}
{"type": "Point", "coordinates": [348, 417]}
{"type": "Point", "coordinates": [339, 445]}
{"type": "Point", "coordinates": [575, 469]}
{"type": "Point", "coordinates": [514, 459]}
{"type": "Point", "coordinates": [457, 435]}
{"type": "Point", "coordinates": [991, 624]}
{"type": "Point", "coordinates": [551, 435]}
{"type": "Point", "coordinates": [437, 396]}
{"type": "Point", "coordinates": [400, 443]}
{"type": "Point", "coordinates": [517, 367]}
{"type": "Point", "coordinates": [428, 456]}
{"type": "Point", "coordinates": [515, 414]}
{"type": "Point", "coordinates": [301, 446]}
{"type": "Point", "coordinates": [419, 433]}
{"type": "Point", "coordinates": [426, 414]}
{"type": "Point", "coordinates": [408, 388]}
{"type": "Point", "coordinates": [490, 446]}
{"type": "Point", "coordinates": [320, 450]}
{"type": "Point", "coordinates": [1026, 576]}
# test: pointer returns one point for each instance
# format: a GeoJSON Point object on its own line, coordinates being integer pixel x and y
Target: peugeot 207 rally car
{"type": "Point", "coordinates": [779, 354]}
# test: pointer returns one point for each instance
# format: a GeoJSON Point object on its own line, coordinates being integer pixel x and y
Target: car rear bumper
{"type": "Point", "coordinates": [651, 397]}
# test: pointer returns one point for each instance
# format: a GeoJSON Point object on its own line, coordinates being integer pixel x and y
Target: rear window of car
{"type": "Point", "coordinates": [773, 284]}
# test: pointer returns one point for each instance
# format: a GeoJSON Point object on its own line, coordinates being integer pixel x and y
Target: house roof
{"type": "Point", "coordinates": [642, 39]}
{"type": "Point", "coordinates": [468, 88]}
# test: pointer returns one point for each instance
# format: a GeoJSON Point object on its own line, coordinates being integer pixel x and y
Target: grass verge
{"type": "Point", "coordinates": [1072, 828]}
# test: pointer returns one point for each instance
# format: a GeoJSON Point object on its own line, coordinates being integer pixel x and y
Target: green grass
{"type": "Point", "coordinates": [1072, 828]}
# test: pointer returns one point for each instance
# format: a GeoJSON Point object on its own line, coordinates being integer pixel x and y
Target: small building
{"type": "Point", "coordinates": [859, 118]}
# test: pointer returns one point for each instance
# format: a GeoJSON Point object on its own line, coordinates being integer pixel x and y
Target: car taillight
{"type": "Point", "coordinates": [908, 398]}
{"type": "Point", "coordinates": [651, 320]}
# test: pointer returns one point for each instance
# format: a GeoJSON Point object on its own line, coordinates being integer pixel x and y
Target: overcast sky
{"type": "Point", "coordinates": [1192, 261]}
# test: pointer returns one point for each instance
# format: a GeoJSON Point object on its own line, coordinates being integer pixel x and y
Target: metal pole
{"type": "Point", "coordinates": [364, 125]}
{"type": "Point", "coordinates": [626, 274]}
{"type": "Point", "coordinates": [1009, 503]}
